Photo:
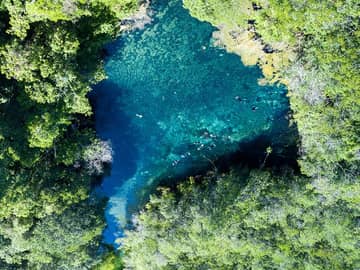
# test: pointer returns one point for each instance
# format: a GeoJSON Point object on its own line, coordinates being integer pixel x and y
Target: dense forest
{"type": "Point", "coordinates": [50, 156]}
{"type": "Point", "coordinates": [50, 54]}
{"type": "Point", "coordinates": [247, 220]}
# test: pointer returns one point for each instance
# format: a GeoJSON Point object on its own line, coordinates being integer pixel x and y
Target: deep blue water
{"type": "Point", "coordinates": [173, 102]}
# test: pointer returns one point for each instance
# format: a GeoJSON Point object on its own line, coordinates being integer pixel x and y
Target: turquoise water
{"type": "Point", "coordinates": [172, 103]}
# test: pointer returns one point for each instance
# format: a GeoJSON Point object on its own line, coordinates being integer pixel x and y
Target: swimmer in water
{"type": "Point", "coordinates": [238, 98]}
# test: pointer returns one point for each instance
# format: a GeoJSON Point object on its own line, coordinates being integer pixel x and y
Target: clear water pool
{"type": "Point", "coordinates": [174, 102]}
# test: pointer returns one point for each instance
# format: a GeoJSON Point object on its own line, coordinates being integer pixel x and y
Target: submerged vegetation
{"type": "Point", "coordinates": [50, 55]}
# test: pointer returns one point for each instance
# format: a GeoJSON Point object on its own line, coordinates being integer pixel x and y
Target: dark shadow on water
{"type": "Point", "coordinates": [111, 120]}
{"type": "Point", "coordinates": [251, 154]}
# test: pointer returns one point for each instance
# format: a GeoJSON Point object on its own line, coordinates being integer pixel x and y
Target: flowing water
{"type": "Point", "coordinates": [172, 103]}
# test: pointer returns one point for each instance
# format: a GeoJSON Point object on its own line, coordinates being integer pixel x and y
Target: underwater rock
{"type": "Point", "coordinates": [138, 20]}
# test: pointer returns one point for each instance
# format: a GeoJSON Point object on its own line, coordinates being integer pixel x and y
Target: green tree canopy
{"type": "Point", "coordinates": [50, 55]}
{"type": "Point", "coordinates": [313, 48]}
{"type": "Point", "coordinates": [260, 221]}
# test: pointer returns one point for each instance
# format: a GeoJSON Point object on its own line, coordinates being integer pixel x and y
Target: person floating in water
{"type": "Point", "coordinates": [238, 98]}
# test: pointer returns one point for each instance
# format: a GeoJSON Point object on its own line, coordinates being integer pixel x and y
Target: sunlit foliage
{"type": "Point", "coordinates": [313, 48]}
{"type": "Point", "coordinates": [50, 55]}
{"type": "Point", "coordinates": [260, 221]}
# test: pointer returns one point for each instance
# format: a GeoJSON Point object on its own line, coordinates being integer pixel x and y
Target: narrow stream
{"type": "Point", "coordinates": [172, 103]}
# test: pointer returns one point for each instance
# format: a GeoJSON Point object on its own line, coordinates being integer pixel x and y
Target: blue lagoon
{"type": "Point", "coordinates": [173, 102]}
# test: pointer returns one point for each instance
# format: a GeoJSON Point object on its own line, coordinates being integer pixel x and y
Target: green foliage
{"type": "Point", "coordinates": [66, 241]}
{"type": "Point", "coordinates": [50, 56]}
{"type": "Point", "coordinates": [111, 262]}
{"type": "Point", "coordinates": [44, 129]}
{"type": "Point", "coordinates": [261, 221]}
{"type": "Point", "coordinates": [311, 47]}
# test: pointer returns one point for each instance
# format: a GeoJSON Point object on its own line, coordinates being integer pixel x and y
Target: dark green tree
{"type": "Point", "coordinates": [50, 55]}
{"type": "Point", "coordinates": [260, 221]}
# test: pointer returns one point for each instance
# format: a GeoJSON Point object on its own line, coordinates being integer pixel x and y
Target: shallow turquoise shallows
{"type": "Point", "coordinates": [172, 103]}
